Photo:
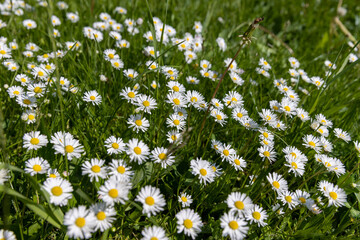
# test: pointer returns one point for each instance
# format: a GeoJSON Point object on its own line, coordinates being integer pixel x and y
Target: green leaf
{"type": "Point", "coordinates": [38, 209]}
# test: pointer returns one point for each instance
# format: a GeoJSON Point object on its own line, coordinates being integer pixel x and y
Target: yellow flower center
{"type": "Point", "coordinates": [113, 193]}
{"type": "Point", "coordinates": [239, 205]}
{"type": "Point", "coordinates": [302, 199]}
{"type": "Point", "coordinates": [294, 165]}
{"type": "Point", "coordinates": [115, 145]}
{"type": "Point", "coordinates": [69, 149]}
{"type": "Point", "coordinates": [226, 152]}
{"type": "Point", "coordinates": [131, 94]}
{"type": "Point", "coordinates": [239, 115]}
{"type": "Point", "coordinates": [152, 52]}
{"type": "Point", "coordinates": [56, 191]}
{"type": "Point", "coordinates": [34, 141]}
{"type": "Point", "coordinates": [26, 101]}
{"type": "Point", "coordinates": [203, 172]}
{"type": "Point", "coordinates": [3, 52]}
{"type": "Point", "coordinates": [288, 199]}
{"type": "Point", "coordinates": [176, 101]}
{"type": "Point", "coordinates": [293, 154]}
{"type": "Point", "coordinates": [176, 88]}
{"type": "Point", "coordinates": [138, 122]}
{"type": "Point", "coordinates": [194, 99]}
{"type": "Point", "coordinates": [137, 150]}
{"type": "Point", "coordinates": [162, 156]}
{"type": "Point", "coordinates": [256, 215]}
{"type": "Point", "coordinates": [52, 175]}
{"type": "Point", "coordinates": [31, 117]}
{"type": "Point", "coordinates": [276, 184]}
{"type": "Point", "coordinates": [265, 134]}
{"type": "Point", "coordinates": [287, 108]}
{"type": "Point", "coordinates": [37, 168]}
{"type": "Point", "coordinates": [237, 162]}
{"type": "Point", "coordinates": [176, 122]}
{"type": "Point", "coordinates": [146, 103]}
{"type": "Point", "coordinates": [96, 168]}
{"type": "Point", "coordinates": [80, 222]}
{"type": "Point", "coordinates": [150, 201]}
{"type": "Point", "coordinates": [101, 215]}
{"type": "Point", "coordinates": [233, 225]}
{"type": "Point", "coordinates": [40, 73]}
{"type": "Point", "coordinates": [207, 74]}
{"type": "Point", "coordinates": [121, 170]}
{"type": "Point", "coordinates": [266, 154]}
{"type": "Point", "coordinates": [37, 90]}
{"type": "Point", "coordinates": [184, 199]}
{"type": "Point", "coordinates": [311, 143]}
{"type": "Point", "coordinates": [188, 223]}
{"type": "Point", "coordinates": [92, 98]}
{"type": "Point", "coordinates": [218, 117]}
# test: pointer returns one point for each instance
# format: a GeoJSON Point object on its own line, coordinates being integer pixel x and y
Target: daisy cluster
{"type": "Point", "coordinates": [113, 169]}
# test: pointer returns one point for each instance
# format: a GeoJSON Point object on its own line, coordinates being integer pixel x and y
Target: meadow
{"type": "Point", "coordinates": [173, 119]}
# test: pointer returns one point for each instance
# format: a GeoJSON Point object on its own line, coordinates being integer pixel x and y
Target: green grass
{"type": "Point", "coordinates": [307, 28]}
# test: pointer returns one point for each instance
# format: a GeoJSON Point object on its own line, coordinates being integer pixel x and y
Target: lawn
{"type": "Point", "coordinates": [179, 119]}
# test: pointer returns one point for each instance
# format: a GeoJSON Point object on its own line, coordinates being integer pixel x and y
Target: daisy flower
{"type": "Point", "coordinates": [36, 165]}
{"type": "Point", "coordinates": [60, 190]}
{"type": "Point", "coordinates": [234, 227]}
{"type": "Point", "coordinates": [221, 43]}
{"type": "Point", "coordinates": [312, 142]}
{"type": "Point", "coordinates": [296, 165]}
{"type": "Point", "coordinates": [257, 215]}
{"type": "Point", "coordinates": [302, 197]}
{"type": "Point", "coordinates": [202, 169]}
{"type": "Point", "coordinates": [67, 145]}
{"type": "Point", "coordinates": [137, 122]}
{"type": "Point", "coordinates": [93, 97]}
{"type": "Point", "coordinates": [189, 222]}
{"type": "Point", "coordinates": [302, 114]}
{"type": "Point", "coordinates": [105, 215]}
{"type": "Point", "coordinates": [15, 91]}
{"type": "Point", "coordinates": [151, 198]}
{"type": "Point", "coordinates": [288, 107]}
{"type": "Point", "coordinates": [239, 113]}
{"type": "Point", "coordinates": [176, 87]}
{"type": "Point", "coordinates": [151, 65]}
{"type": "Point", "coordinates": [123, 44]}
{"type": "Point", "coordinates": [339, 133]}
{"type": "Point", "coordinates": [131, 74]}
{"type": "Point", "coordinates": [114, 145]}
{"type": "Point", "coordinates": [219, 116]}
{"type": "Point", "coordinates": [336, 196]}
{"type": "Point", "coordinates": [173, 136]}
{"type": "Point", "coordinates": [7, 235]}
{"type": "Point", "coordinates": [160, 155]}
{"type": "Point", "coordinates": [34, 140]}
{"type": "Point", "coordinates": [278, 183]}
{"type": "Point", "coordinates": [114, 191]}
{"type": "Point", "coordinates": [238, 203]}
{"type": "Point", "coordinates": [117, 63]}
{"type": "Point", "coordinates": [176, 121]}
{"type": "Point", "coordinates": [233, 65]}
{"type": "Point", "coordinates": [129, 94]}
{"type": "Point", "coordinates": [110, 54]}
{"type": "Point", "coordinates": [177, 100]}
{"type": "Point", "coordinates": [226, 151]}
{"type": "Point", "coordinates": [237, 162]}
{"type": "Point", "coordinates": [267, 116]}
{"type": "Point", "coordinates": [264, 64]}
{"type": "Point", "coordinates": [80, 222]}
{"type": "Point", "coordinates": [233, 99]}
{"type": "Point", "coordinates": [94, 169]}
{"type": "Point", "coordinates": [4, 176]}
{"type": "Point", "coordinates": [137, 150]}
{"type": "Point", "coordinates": [26, 101]}
{"type": "Point", "coordinates": [288, 198]}
{"type": "Point", "coordinates": [205, 64]}
{"type": "Point", "coordinates": [185, 199]}
{"type": "Point", "coordinates": [267, 152]}
{"type": "Point", "coordinates": [153, 233]}
{"type": "Point", "coordinates": [29, 24]}
{"type": "Point", "coordinates": [145, 103]}
{"type": "Point", "coordinates": [323, 121]}
{"type": "Point", "coordinates": [120, 171]}
{"type": "Point", "coordinates": [294, 62]}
